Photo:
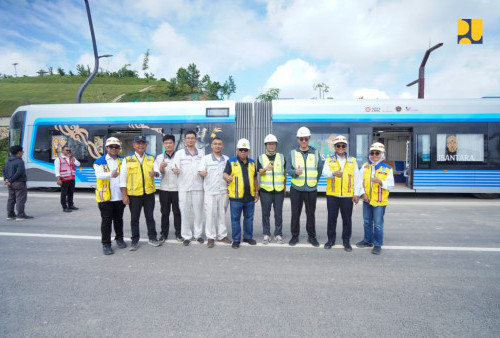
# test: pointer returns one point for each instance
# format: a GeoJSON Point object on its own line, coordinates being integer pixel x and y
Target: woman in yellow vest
{"type": "Point", "coordinates": [377, 180]}
{"type": "Point", "coordinates": [342, 174]}
{"type": "Point", "coordinates": [271, 167]}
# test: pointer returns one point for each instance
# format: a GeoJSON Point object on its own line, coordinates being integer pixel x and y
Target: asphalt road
{"type": "Point", "coordinates": [438, 275]}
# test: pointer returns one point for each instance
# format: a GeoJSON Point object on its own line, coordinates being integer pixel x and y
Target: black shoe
{"type": "Point", "coordinates": [11, 216]}
{"type": "Point", "coordinates": [162, 239]}
{"type": "Point", "coordinates": [235, 245]}
{"type": "Point", "coordinates": [121, 243]}
{"type": "Point", "coordinates": [293, 241]}
{"type": "Point", "coordinates": [211, 243]}
{"type": "Point", "coordinates": [186, 242]}
{"type": "Point", "coordinates": [106, 249]}
{"type": "Point", "coordinates": [179, 239]}
{"type": "Point", "coordinates": [328, 245]}
{"type": "Point", "coordinates": [154, 242]}
{"type": "Point", "coordinates": [66, 210]}
{"type": "Point", "coordinates": [250, 241]}
{"type": "Point", "coordinates": [363, 244]}
{"type": "Point", "coordinates": [200, 240]}
{"type": "Point", "coordinates": [134, 246]}
{"type": "Point", "coordinates": [376, 250]}
{"type": "Point", "coordinates": [23, 217]}
{"type": "Point", "coordinates": [73, 208]}
{"type": "Point", "coordinates": [313, 241]}
{"type": "Point", "coordinates": [347, 247]}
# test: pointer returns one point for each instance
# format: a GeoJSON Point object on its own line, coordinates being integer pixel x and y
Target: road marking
{"type": "Point", "coordinates": [273, 245]}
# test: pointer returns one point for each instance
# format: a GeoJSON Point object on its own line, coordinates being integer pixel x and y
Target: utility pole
{"type": "Point", "coordinates": [15, 69]}
{"type": "Point", "coordinates": [421, 72]}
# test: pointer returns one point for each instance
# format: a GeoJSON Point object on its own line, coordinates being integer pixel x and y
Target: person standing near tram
{"type": "Point", "coordinates": [304, 165]}
{"type": "Point", "coordinates": [377, 179]}
{"type": "Point", "coordinates": [65, 170]}
{"type": "Point", "coordinates": [342, 176]}
{"type": "Point", "coordinates": [271, 167]}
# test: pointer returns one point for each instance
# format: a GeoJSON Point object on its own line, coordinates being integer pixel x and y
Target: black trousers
{"type": "Point", "coordinates": [67, 191]}
{"type": "Point", "coordinates": [137, 203]}
{"type": "Point", "coordinates": [345, 205]}
{"type": "Point", "coordinates": [111, 213]}
{"type": "Point", "coordinates": [169, 200]}
{"type": "Point", "coordinates": [18, 194]}
{"type": "Point", "coordinates": [297, 199]}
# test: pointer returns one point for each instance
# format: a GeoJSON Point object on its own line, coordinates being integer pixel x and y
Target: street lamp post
{"type": "Point", "coordinates": [421, 72]}
{"type": "Point", "coordinates": [96, 57]}
{"type": "Point", "coordinates": [15, 69]}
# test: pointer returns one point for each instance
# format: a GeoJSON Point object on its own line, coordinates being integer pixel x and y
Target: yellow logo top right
{"type": "Point", "coordinates": [470, 31]}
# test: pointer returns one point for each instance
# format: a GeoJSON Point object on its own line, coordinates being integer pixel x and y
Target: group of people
{"type": "Point", "coordinates": [198, 189]}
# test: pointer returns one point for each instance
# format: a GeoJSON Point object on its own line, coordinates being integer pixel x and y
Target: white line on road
{"type": "Point", "coordinates": [299, 245]}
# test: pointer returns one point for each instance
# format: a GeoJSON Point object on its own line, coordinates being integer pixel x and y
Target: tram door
{"type": "Point", "coordinates": [398, 147]}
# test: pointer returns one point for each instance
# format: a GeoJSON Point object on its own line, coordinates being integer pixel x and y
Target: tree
{"type": "Point", "coordinates": [182, 76]}
{"type": "Point", "coordinates": [205, 82]}
{"type": "Point", "coordinates": [213, 89]}
{"type": "Point", "coordinates": [61, 71]}
{"type": "Point", "coordinates": [41, 72]}
{"type": "Point", "coordinates": [193, 76]}
{"type": "Point", "coordinates": [271, 94]}
{"type": "Point", "coordinates": [172, 87]}
{"type": "Point", "coordinates": [82, 71]}
{"type": "Point", "coordinates": [322, 89]}
{"type": "Point", "coordinates": [51, 71]}
{"type": "Point", "coordinates": [125, 72]}
{"type": "Point", "coordinates": [229, 87]}
{"type": "Point", "coordinates": [145, 66]}
{"type": "Point", "coordinates": [71, 73]}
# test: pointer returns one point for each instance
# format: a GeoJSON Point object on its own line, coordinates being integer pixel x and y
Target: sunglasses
{"type": "Point", "coordinates": [375, 153]}
{"type": "Point", "coordinates": [114, 147]}
{"type": "Point", "coordinates": [243, 150]}
{"type": "Point", "coordinates": [303, 139]}
{"type": "Point", "coordinates": [340, 146]}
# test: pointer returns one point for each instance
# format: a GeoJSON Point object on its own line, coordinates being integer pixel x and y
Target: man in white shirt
{"type": "Point", "coordinates": [137, 183]}
{"type": "Point", "coordinates": [216, 199]}
{"type": "Point", "coordinates": [109, 196]}
{"type": "Point", "coordinates": [64, 167]}
{"type": "Point", "coordinates": [169, 194]}
{"type": "Point", "coordinates": [190, 184]}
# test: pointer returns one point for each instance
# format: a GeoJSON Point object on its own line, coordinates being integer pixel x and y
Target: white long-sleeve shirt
{"type": "Point", "coordinates": [114, 182]}
{"type": "Point", "coordinates": [57, 164]}
{"type": "Point", "coordinates": [387, 184]}
{"type": "Point", "coordinates": [327, 172]}
{"type": "Point", "coordinates": [123, 169]}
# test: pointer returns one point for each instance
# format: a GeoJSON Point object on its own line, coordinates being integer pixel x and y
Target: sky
{"type": "Point", "coordinates": [359, 48]}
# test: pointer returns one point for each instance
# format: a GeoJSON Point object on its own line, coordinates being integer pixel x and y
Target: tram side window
{"type": "Point", "coordinates": [424, 151]}
{"type": "Point", "coordinates": [460, 148]}
{"type": "Point", "coordinates": [16, 128]}
{"type": "Point", "coordinates": [361, 149]}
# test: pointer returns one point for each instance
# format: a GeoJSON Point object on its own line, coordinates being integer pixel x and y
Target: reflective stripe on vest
{"type": "Point", "coordinates": [236, 188]}
{"type": "Point", "coordinates": [273, 180]}
{"type": "Point", "coordinates": [138, 180]}
{"type": "Point", "coordinates": [341, 186]}
{"type": "Point", "coordinates": [377, 195]}
{"type": "Point", "coordinates": [103, 190]}
{"type": "Point", "coordinates": [66, 170]}
{"type": "Point", "coordinates": [310, 168]}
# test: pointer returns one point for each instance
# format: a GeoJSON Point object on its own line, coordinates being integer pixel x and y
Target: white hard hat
{"type": "Point", "coordinates": [112, 140]}
{"type": "Point", "coordinates": [243, 143]}
{"type": "Point", "coordinates": [377, 146]}
{"type": "Point", "coordinates": [270, 138]}
{"type": "Point", "coordinates": [339, 139]}
{"type": "Point", "coordinates": [303, 132]}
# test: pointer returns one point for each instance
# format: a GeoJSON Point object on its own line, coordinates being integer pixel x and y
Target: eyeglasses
{"type": "Point", "coordinates": [243, 150]}
{"type": "Point", "coordinates": [114, 147]}
{"type": "Point", "coordinates": [375, 153]}
{"type": "Point", "coordinates": [340, 146]}
{"type": "Point", "coordinates": [303, 139]}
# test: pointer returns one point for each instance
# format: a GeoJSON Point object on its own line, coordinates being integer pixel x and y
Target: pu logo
{"type": "Point", "coordinates": [470, 31]}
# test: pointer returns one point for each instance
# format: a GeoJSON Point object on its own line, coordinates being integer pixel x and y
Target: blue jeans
{"type": "Point", "coordinates": [236, 209]}
{"type": "Point", "coordinates": [374, 224]}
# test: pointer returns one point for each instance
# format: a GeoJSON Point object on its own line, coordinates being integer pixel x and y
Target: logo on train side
{"type": "Point", "coordinates": [470, 31]}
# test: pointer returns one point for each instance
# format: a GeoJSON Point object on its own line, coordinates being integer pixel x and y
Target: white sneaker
{"type": "Point", "coordinates": [266, 240]}
{"type": "Point", "coordinates": [278, 239]}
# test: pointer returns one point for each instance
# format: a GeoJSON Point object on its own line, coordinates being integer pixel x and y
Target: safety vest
{"type": "Point", "coordinates": [102, 190]}
{"type": "Point", "coordinates": [273, 180]}
{"type": "Point", "coordinates": [377, 195]}
{"type": "Point", "coordinates": [341, 186]}
{"type": "Point", "coordinates": [138, 180]}
{"type": "Point", "coordinates": [66, 169]}
{"type": "Point", "coordinates": [236, 188]}
{"type": "Point", "coordinates": [310, 168]}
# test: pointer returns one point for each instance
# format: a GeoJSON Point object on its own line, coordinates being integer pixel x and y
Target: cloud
{"type": "Point", "coordinates": [369, 93]}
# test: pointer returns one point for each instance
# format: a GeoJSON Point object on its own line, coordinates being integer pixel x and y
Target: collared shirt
{"type": "Point", "coordinates": [213, 183]}
{"type": "Point", "coordinates": [123, 170]}
{"type": "Point", "coordinates": [57, 164]}
{"type": "Point", "coordinates": [187, 163]}
{"type": "Point", "coordinates": [168, 180]}
{"type": "Point", "coordinates": [357, 177]}
{"type": "Point", "coordinates": [114, 182]}
{"type": "Point", "coordinates": [247, 196]}
{"type": "Point", "coordinates": [387, 184]}
{"type": "Point", "coordinates": [291, 170]}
